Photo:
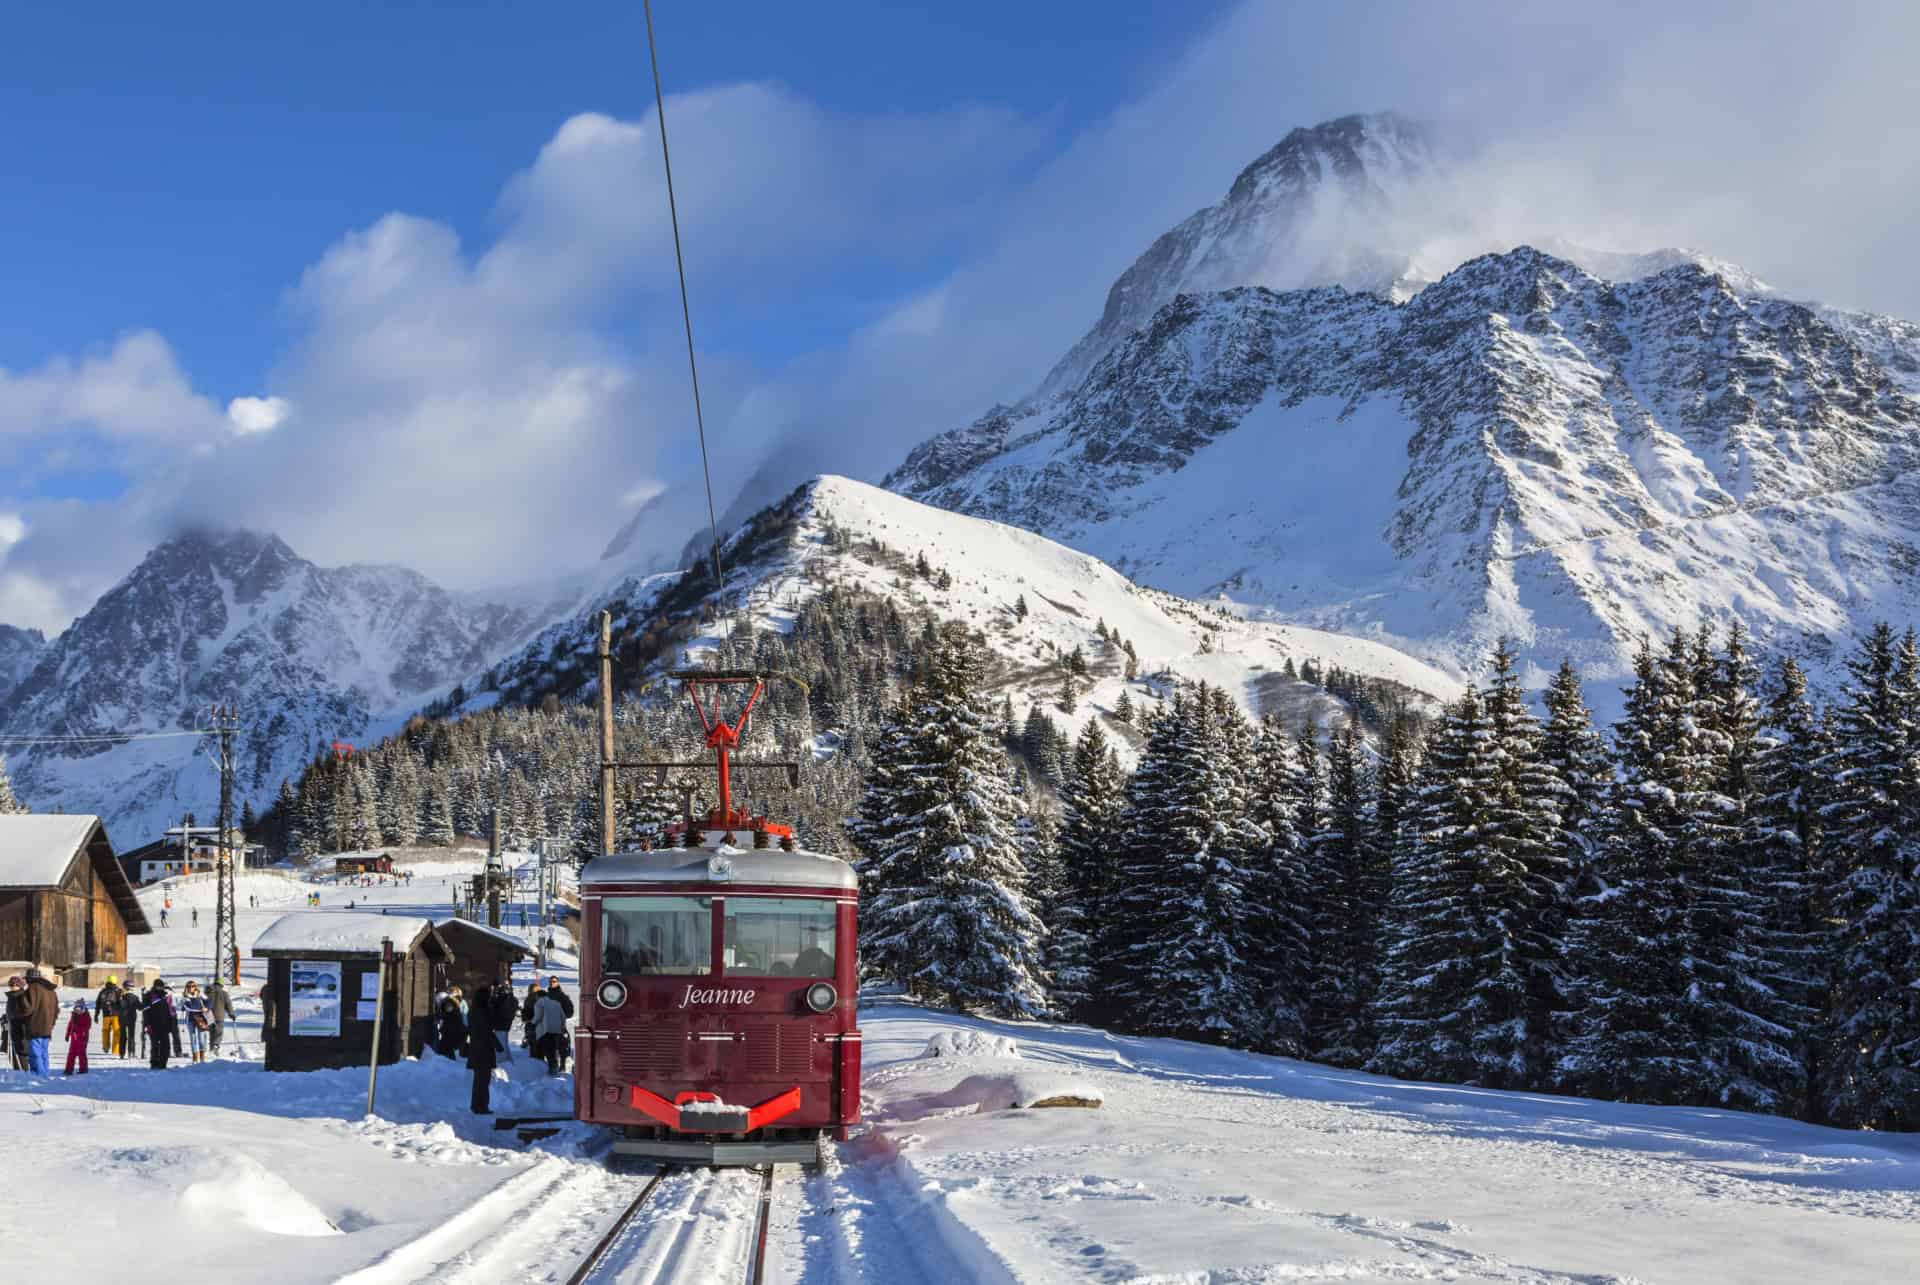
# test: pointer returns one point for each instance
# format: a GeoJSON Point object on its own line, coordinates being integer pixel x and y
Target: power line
{"type": "Point", "coordinates": [686, 313]}
{"type": "Point", "coordinates": [114, 738]}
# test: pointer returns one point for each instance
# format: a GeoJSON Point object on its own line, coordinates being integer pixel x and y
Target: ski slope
{"type": "Point", "coordinates": [1201, 1165]}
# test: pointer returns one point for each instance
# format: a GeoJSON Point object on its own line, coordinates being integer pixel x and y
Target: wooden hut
{"type": "Point", "coordinates": [480, 954]}
{"type": "Point", "coordinates": [324, 985]}
{"type": "Point", "coordinates": [364, 864]}
{"type": "Point", "coordinates": [64, 901]}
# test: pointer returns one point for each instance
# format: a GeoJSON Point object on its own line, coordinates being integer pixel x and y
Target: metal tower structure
{"type": "Point", "coordinates": [226, 936]}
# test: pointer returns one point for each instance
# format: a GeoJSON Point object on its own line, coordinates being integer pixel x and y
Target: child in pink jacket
{"type": "Point", "coordinates": [79, 1022]}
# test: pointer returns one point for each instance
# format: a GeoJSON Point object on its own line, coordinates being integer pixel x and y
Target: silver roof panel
{"type": "Point", "coordinates": [754, 866]}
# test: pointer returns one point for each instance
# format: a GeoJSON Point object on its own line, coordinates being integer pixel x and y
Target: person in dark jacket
{"type": "Point", "coordinates": [450, 1028]}
{"type": "Point", "coordinates": [219, 1013]}
{"type": "Point", "coordinates": [43, 1011]}
{"type": "Point", "coordinates": [159, 1025]}
{"type": "Point", "coordinates": [565, 1002]}
{"type": "Point", "coordinates": [527, 1035]}
{"type": "Point", "coordinates": [550, 1031]}
{"type": "Point", "coordinates": [482, 1056]}
{"type": "Point", "coordinates": [106, 1015]}
{"type": "Point", "coordinates": [129, 1019]}
{"type": "Point", "coordinates": [16, 1022]}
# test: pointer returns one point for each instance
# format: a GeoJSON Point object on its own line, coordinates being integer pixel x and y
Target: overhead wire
{"type": "Point", "coordinates": [112, 737]}
{"type": "Point", "coordinates": [686, 312]}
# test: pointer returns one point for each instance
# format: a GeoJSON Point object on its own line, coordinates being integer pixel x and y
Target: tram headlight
{"type": "Point", "coordinates": [612, 993]}
{"type": "Point", "coordinates": [821, 996]}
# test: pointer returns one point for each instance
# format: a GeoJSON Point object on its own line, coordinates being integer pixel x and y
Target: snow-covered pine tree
{"type": "Point", "coordinates": [1427, 1012]}
{"type": "Point", "coordinates": [436, 816]}
{"type": "Point", "coordinates": [1092, 800]}
{"type": "Point", "coordinates": [1527, 884]}
{"type": "Point", "coordinates": [9, 801]}
{"type": "Point", "coordinates": [1641, 1034]}
{"type": "Point", "coordinates": [1353, 890]}
{"type": "Point", "coordinates": [1179, 949]}
{"type": "Point", "coordinates": [1576, 752]}
{"type": "Point", "coordinates": [946, 905]}
{"type": "Point", "coordinates": [1870, 1062]}
{"type": "Point", "coordinates": [1783, 853]}
{"type": "Point", "coordinates": [1281, 895]}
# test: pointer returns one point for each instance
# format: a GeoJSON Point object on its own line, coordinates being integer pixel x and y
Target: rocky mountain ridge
{"type": "Point", "coordinates": [309, 654]}
{"type": "Point", "coordinates": [1521, 448]}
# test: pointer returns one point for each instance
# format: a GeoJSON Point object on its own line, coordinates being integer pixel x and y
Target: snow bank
{"type": "Point", "coordinates": [971, 1044]}
{"type": "Point", "coordinates": [343, 930]}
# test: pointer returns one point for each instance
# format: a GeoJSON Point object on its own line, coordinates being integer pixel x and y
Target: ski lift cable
{"type": "Point", "coordinates": [686, 312]}
{"type": "Point", "coordinates": [102, 737]}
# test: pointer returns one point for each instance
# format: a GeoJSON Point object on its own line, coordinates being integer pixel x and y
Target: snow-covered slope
{"type": "Point", "coordinates": [19, 651]}
{"type": "Point", "coordinates": [838, 532]}
{"type": "Point", "coordinates": [1319, 208]}
{"type": "Point", "coordinates": [1522, 448]}
{"type": "Point", "coordinates": [308, 655]}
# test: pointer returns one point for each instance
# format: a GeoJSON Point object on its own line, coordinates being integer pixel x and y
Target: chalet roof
{"type": "Point", "coordinates": [38, 850]}
{"type": "Point", "coordinates": [335, 934]}
{"type": "Point", "coordinates": [467, 925]}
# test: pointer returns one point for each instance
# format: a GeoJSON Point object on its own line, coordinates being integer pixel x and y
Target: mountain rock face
{"type": "Point", "coordinates": [1034, 600]}
{"type": "Point", "coordinates": [1520, 449]}
{"type": "Point", "coordinates": [19, 650]}
{"type": "Point", "coordinates": [1315, 210]}
{"type": "Point", "coordinates": [308, 655]}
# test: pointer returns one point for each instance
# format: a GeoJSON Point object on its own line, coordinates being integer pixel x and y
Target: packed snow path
{"type": "Point", "coordinates": [1203, 1165]}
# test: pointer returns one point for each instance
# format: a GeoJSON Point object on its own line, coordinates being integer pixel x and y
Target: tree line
{"type": "Point", "coordinates": [1715, 903]}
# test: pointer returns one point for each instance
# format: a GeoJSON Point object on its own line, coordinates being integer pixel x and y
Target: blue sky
{"type": "Point", "coordinates": [178, 167]}
{"type": "Point", "coordinates": [395, 281]}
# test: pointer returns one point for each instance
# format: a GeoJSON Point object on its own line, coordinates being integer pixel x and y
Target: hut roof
{"type": "Point", "coordinates": [505, 938]}
{"type": "Point", "coordinates": [39, 851]}
{"type": "Point", "coordinates": [339, 933]}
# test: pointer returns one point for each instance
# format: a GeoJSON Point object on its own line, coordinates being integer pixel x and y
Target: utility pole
{"type": "Point", "coordinates": [606, 733]}
{"type": "Point", "coordinates": [496, 872]}
{"type": "Point", "coordinates": [226, 935]}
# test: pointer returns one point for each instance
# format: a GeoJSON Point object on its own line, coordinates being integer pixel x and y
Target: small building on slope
{"type": "Point", "coordinates": [325, 986]}
{"type": "Point", "coordinates": [65, 902]}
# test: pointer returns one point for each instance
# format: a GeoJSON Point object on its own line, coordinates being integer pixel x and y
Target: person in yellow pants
{"type": "Point", "coordinates": [107, 1006]}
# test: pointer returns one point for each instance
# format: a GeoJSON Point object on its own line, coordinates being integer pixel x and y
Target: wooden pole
{"type": "Point", "coordinates": [606, 732]}
{"type": "Point", "coordinates": [379, 1014]}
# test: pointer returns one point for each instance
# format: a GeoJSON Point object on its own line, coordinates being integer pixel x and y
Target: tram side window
{"type": "Point", "coordinates": [656, 935]}
{"type": "Point", "coordinates": [779, 937]}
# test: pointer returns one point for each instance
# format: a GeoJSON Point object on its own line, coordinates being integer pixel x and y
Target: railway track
{"type": "Point", "coordinates": [702, 1226]}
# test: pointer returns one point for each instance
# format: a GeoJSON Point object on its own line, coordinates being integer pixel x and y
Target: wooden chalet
{"type": "Point", "coordinates": [364, 864]}
{"type": "Point", "coordinates": [64, 900]}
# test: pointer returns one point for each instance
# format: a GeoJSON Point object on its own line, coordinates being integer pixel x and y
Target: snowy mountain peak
{"type": "Point", "coordinates": [20, 650]}
{"type": "Point", "coordinates": [308, 654]}
{"type": "Point", "coordinates": [1522, 449]}
{"type": "Point", "coordinates": [1308, 212]}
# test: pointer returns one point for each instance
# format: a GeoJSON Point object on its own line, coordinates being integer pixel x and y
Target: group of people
{"type": "Point", "coordinates": [479, 1029]}
{"type": "Point", "coordinates": [33, 1009]}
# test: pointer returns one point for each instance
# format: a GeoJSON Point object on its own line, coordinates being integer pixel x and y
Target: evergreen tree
{"type": "Point", "coordinates": [1178, 956]}
{"type": "Point", "coordinates": [436, 817]}
{"type": "Point", "coordinates": [946, 903]}
{"type": "Point", "coordinates": [1281, 901]}
{"type": "Point", "coordinates": [9, 802]}
{"type": "Point", "coordinates": [1344, 861]}
{"type": "Point", "coordinates": [1870, 1062]}
{"type": "Point", "coordinates": [1123, 708]}
{"type": "Point", "coordinates": [1575, 751]}
{"type": "Point", "coordinates": [1784, 853]}
{"type": "Point", "coordinates": [1092, 800]}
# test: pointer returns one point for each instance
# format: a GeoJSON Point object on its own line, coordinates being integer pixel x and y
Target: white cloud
{"type": "Point", "coordinates": [134, 390]}
{"type": "Point", "coordinates": [13, 529]}
{"type": "Point", "coordinates": [257, 414]}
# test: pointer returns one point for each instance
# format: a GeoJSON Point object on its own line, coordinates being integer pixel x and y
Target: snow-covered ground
{"type": "Point", "coordinates": [1201, 1165]}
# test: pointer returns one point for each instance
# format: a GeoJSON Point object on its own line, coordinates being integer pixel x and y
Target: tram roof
{"type": "Point", "coordinates": [755, 866]}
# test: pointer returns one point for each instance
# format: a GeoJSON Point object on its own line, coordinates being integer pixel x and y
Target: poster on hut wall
{"type": "Point", "coordinates": [313, 997]}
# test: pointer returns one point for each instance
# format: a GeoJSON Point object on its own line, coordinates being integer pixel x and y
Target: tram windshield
{"type": "Point", "coordinates": [778, 937]}
{"type": "Point", "coordinates": [656, 935]}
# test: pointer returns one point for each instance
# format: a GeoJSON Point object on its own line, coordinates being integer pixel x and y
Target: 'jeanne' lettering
{"type": "Point", "coordinates": [715, 995]}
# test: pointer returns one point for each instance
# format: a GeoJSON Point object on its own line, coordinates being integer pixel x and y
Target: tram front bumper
{"type": "Point", "coordinates": [705, 1113]}
{"type": "Point", "coordinates": [718, 1151]}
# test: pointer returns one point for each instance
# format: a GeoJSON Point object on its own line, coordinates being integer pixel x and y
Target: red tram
{"type": "Point", "coordinates": [717, 976]}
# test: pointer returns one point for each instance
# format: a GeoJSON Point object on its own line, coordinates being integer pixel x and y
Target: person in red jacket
{"type": "Point", "coordinates": [79, 1023]}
